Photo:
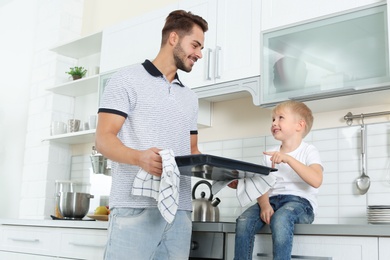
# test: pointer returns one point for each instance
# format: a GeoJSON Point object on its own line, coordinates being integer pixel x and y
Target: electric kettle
{"type": "Point", "coordinates": [204, 210]}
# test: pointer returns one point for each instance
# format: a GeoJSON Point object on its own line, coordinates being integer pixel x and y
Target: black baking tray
{"type": "Point", "coordinates": [218, 168]}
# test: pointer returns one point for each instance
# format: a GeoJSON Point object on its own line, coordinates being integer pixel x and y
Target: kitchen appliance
{"type": "Point", "coordinates": [73, 205]}
{"type": "Point", "coordinates": [208, 240]}
{"type": "Point", "coordinates": [203, 209]}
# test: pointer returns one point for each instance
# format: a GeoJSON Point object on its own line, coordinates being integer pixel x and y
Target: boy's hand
{"type": "Point", "coordinates": [277, 157]}
{"type": "Point", "coordinates": [266, 213]}
{"type": "Point", "coordinates": [233, 184]}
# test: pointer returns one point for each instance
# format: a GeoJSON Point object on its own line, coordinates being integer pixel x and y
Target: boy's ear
{"type": "Point", "coordinates": [302, 125]}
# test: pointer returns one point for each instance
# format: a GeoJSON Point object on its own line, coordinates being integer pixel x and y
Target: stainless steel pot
{"type": "Point", "coordinates": [73, 205]}
{"type": "Point", "coordinates": [204, 210]}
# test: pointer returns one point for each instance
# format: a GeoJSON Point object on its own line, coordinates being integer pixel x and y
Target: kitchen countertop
{"type": "Point", "coordinates": [226, 227]}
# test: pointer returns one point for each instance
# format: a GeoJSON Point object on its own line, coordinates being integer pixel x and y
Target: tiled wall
{"type": "Point", "coordinates": [339, 200]}
{"type": "Point", "coordinates": [57, 21]}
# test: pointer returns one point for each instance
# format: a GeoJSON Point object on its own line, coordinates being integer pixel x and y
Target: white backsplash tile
{"type": "Point", "coordinates": [339, 200]}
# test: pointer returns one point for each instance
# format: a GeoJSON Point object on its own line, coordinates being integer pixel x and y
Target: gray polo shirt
{"type": "Point", "coordinates": [157, 114]}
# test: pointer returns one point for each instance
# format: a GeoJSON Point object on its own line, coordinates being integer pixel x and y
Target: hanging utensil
{"type": "Point", "coordinates": [363, 182]}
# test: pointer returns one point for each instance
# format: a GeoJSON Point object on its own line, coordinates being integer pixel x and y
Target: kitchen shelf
{"type": "Point", "coordinates": [82, 47]}
{"type": "Point", "coordinates": [79, 87]}
{"type": "Point", "coordinates": [82, 137]}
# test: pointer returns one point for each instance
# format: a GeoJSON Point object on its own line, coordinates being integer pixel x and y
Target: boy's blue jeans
{"type": "Point", "coordinates": [288, 210]}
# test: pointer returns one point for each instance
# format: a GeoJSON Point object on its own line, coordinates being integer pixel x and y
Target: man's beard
{"type": "Point", "coordinates": [179, 56]}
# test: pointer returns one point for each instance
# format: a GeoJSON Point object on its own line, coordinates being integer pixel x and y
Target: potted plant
{"type": "Point", "coordinates": [77, 72]}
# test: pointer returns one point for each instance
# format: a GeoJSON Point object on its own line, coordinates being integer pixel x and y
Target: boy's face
{"type": "Point", "coordinates": [286, 125]}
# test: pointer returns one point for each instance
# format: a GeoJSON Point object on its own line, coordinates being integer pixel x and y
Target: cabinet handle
{"type": "Point", "coordinates": [208, 77]}
{"type": "Point", "coordinates": [300, 257]}
{"type": "Point", "coordinates": [217, 61]}
{"type": "Point", "coordinates": [85, 244]}
{"type": "Point", "coordinates": [32, 240]}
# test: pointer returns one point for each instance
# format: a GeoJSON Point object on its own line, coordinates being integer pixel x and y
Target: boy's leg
{"type": "Point", "coordinates": [290, 210]}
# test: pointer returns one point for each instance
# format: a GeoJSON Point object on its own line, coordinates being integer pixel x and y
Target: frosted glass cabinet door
{"type": "Point", "coordinates": [326, 57]}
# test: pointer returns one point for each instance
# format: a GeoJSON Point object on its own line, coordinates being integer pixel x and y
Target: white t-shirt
{"type": "Point", "coordinates": [288, 182]}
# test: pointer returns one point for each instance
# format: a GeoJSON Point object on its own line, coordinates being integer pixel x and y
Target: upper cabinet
{"type": "Point", "coordinates": [277, 13]}
{"type": "Point", "coordinates": [231, 49]}
{"type": "Point", "coordinates": [331, 56]}
{"type": "Point", "coordinates": [133, 40]}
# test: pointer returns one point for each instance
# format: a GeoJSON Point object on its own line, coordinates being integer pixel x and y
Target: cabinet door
{"type": "Point", "coordinates": [318, 60]}
{"type": "Point", "coordinates": [202, 73]}
{"type": "Point", "coordinates": [133, 41]}
{"type": "Point", "coordinates": [42, 241]}
{"type": "Point", "coordinates": [89, 244]}
{"type": "Point", "coordinates": [384, 248]}
{"type": "Point", "coordinates": [322, 247]}
{"type": "Point", "coordinates": [20, 256]}
{"type": "Point", "coordinates": [232, 42]}
{"type": "Point", "coordinates": [238, 40]}
{"type": "Point", "coordinates": [278, 13]}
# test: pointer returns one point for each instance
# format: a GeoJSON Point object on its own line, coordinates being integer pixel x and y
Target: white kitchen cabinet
{"type": "Point", "coordinates": [322, 247]}
{"type": "Point", "coordinates": [279, 13]}
{"type": "Point", "coordinates": [36, 242]}
{"type": "Point", "coordinates": [83, 244]}
{"type": "Point", "coordinates": [29, 240]}
{"type": "Point", "coordinates": [134, 40]}
{"type": "Point", "coordinates": [232, 42]}
{"type": "Point", "coordinates": [22, 256]}
{"type": "Point", "coordinates": [384, 248]}
{"type": "Point", "coordinates": [317, 59]}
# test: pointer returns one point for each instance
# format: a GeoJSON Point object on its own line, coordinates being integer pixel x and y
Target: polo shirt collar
{"type": "Point", "coordinates": [152, 70]}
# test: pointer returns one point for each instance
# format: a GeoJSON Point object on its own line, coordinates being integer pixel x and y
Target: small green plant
{"type": "Point", "coordinates": [77, 72]}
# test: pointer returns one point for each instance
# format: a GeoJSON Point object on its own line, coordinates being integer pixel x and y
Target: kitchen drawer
{"type": "Point", "coordinates": [83, 244]}
{"type": "Point", "coordinates": [25, 256]}
{"type": "Point", "coordinates": [29, 240]}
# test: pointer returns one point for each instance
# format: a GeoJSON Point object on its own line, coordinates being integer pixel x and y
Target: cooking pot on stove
{"type": "Point", "coordinates": [204, 209]}
{"type": "Point", "coordinates": [73, 205]}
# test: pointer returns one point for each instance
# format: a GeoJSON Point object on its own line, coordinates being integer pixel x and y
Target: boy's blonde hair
{"type": "Point", "coordinates": [300, 109]}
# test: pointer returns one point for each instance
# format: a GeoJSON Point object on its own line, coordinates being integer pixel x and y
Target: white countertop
{"type": "Point", "coordinates": [227, 227]}
{"type": "Point", "coordinates": [87, 224]}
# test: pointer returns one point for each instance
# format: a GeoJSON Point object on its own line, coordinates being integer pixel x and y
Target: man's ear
{"type": "Point", "coordinates": [173, 38]}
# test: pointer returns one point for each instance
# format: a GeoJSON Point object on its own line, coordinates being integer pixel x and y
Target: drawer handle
{"type": "Point", "coordinates": [33, 240]}
{"type": "Point", "coordinates": [85, 244]}
{"type": "Point", "coordinates": [301, 257]}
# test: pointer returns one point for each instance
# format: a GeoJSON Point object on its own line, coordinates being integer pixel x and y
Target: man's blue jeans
{"type": "Point", "coordinates": [288, 210]}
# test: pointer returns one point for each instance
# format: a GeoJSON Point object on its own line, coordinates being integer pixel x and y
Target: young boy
{"type": "Point", "coordinates": [292, 200]}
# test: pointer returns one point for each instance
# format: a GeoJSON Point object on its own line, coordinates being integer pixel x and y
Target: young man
{"type": "Point", "coordinates": [292, 200]}
{"type": "Point", "coordinates": [145, 109]}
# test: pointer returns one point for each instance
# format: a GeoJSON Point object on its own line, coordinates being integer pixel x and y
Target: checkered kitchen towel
{"type": "Point", "coordinates": [249, 188]}
{"type": "Point", "coordinates": [164, 189]}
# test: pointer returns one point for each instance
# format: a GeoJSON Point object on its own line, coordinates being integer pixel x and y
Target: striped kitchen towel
{"type": "Point", "coordinates": [250, 186]}
{"type": "Point", "coordinates": [164, 189]}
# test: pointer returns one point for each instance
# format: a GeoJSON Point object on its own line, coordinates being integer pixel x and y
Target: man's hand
{"type": "Point", "coordinates": [150, 160]}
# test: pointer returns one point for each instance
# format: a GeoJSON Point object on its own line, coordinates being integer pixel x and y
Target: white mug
{"type": "Point", "coordinates": [58, 128]}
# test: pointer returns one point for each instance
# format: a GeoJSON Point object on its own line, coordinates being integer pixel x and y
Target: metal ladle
{"type": "Point", "coordinates": [363, 182]}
